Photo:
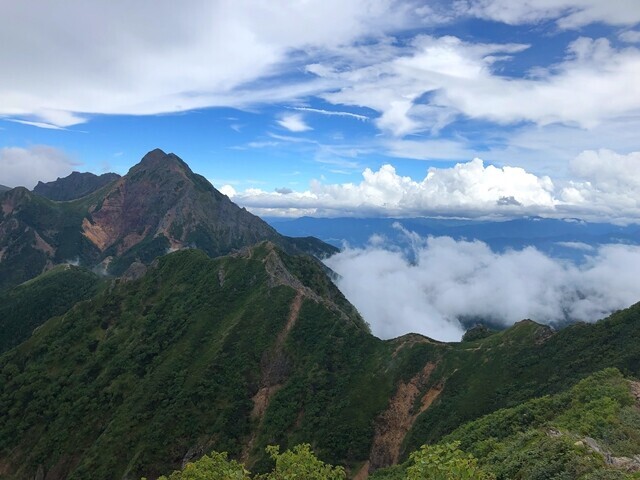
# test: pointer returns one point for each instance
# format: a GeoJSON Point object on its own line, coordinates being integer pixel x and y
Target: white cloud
{"type": "Point", "coordinates": [228, 190]}
{"type": "Point", "coordinates": [607, 182]}
{"type": "Point", "coordinates": [208, 54]}
{"type": "Point", "coordinates": [630, 36]}
{"type": "Point", "coordinates": [577, 246]}
{"type": "Point", "coordinates": [468, 189]}
{"type": "Point", "coordinates": [568, 14]}
{"type": "Point", "coordinates": [332, 113]}
{"type": "Point", "coordinates": [452, 279]}
{"type": "Point", "coordinates": [549, 149]}
{"type": "Point", "coordinates": [461, 79]}
{"type": "Point", "coordinates": [26, 166]}
{"type": "Point", "coordinates": [44, 125]}
{"type": "Point", "coordinates": [603, 186]}
{"type": "Point", "coordinates": [607, 170]}
{"type": "Point", "coordinates": [294, 123]}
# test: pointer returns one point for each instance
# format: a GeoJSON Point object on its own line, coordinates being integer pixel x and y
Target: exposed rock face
{"type": "Point", "coordinates": [396, 421]}
{"type": "Point", "coordinates": [76, 185]}
{"type": "Point", "coordinates": [161, 196]}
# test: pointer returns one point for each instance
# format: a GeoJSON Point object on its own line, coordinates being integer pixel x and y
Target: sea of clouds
{"type": "Point", "coordinates": [430, 287]}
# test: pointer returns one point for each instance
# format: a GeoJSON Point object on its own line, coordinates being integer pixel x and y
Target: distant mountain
{"type": "Point", "coordinates": [556, 237]}
{"type": "Point", "coordinates": [256, 348]}
{"type": "Point", "coordinates": [159, 206]}
{"type": "Point", "coordinates": [4, 189]}
{"type": "Point", "coordinates": [75, 185]}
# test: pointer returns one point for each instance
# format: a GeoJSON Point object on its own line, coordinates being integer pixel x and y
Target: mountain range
{"type": "Point", "coordinates": [158, 206]}
{"type": "Point", "coordinates": [152, 321]}
{"type": "Point", "coordinates": [567, 238]}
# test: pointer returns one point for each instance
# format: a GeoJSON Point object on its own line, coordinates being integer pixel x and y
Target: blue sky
{"type": "Point", "coordinates": [472, 108]}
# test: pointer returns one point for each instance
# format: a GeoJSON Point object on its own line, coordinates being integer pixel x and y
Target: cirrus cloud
{"type": "Point", "coordinates": [463, 79]}
{"type": "Point", "coordinates": [568, 14]}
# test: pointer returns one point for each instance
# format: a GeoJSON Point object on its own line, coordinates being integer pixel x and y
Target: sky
{"type": "Point", "coordinates": [464, 108]}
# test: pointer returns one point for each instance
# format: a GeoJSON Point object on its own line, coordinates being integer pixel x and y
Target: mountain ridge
{"type": "Point", "coordinates": [160, 205]}
{"type": "Point", "coordinates": [73, 186]}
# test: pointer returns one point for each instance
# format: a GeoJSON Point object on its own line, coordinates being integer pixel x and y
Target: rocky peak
{"type": "Point", "coordinates": [159, 161]}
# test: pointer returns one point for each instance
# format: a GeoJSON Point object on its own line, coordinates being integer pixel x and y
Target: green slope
{"type": "Point", "coordinates": [591, 431]}
{"type": "Point", "coordinates": [140, 376]}
{"type": "Point", "coordinates": [522, 362]}
{"type": "Point", "coordinates": [27, 306]}
{"type": "Point", "coordinates": [36, 232]}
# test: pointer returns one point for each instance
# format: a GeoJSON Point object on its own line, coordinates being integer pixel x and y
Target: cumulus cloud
{"type": "Point", "coordinates": [294, 123]}
{"type": "Point", "coordinates": [568, 14]}
{"type": "Point", "coordinates": [449, 280]}
{"type": "Point", "coordinates": [470, 189]}
{"type": "Point", "coordinates": [26, 166]}
{"type": "Point", "coordinates": [603, 186]}
{"type": "Point", "coordinates": [463, 78]}
{"type": "Point", "coordinates": [607, 182]}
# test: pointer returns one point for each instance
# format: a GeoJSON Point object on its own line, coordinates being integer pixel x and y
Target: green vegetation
{"type": "Point", "coordinates": [210, 467]}
{"type": "Point", "coordinates": [523, 362]}
{"type": "Point", "coordinates": [27, 306]}
{"type": "Point", "coordinates": [444, 462]}
{"type": "Point", "coordinates": [144, 372]}
{"type": "Point", "coordinates": [39, 231]}
{"type": "Point", "coordinates": [299, 463]}
{"type": "Point", "coordinates": [570, 435]}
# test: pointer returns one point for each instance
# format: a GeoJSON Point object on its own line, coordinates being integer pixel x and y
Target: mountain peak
{"type": "Point", "coordinates": [159, 161]}
{"type": "Point", "coordinates": [154, 155]}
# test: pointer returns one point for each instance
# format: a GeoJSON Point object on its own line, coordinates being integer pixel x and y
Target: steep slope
{"type": "Point", "coordinates": [36, 234]}
{"type": "Point", "coordinates": [27, 306]}
{"type": "Point", "coordinates": [160, 205]}
{"type": "Point", "coordinates": [75, 185]}
{"type": "Point", "coordinates": [590, 431]}
{"type": "Point", "coordinates": [231, 353]}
